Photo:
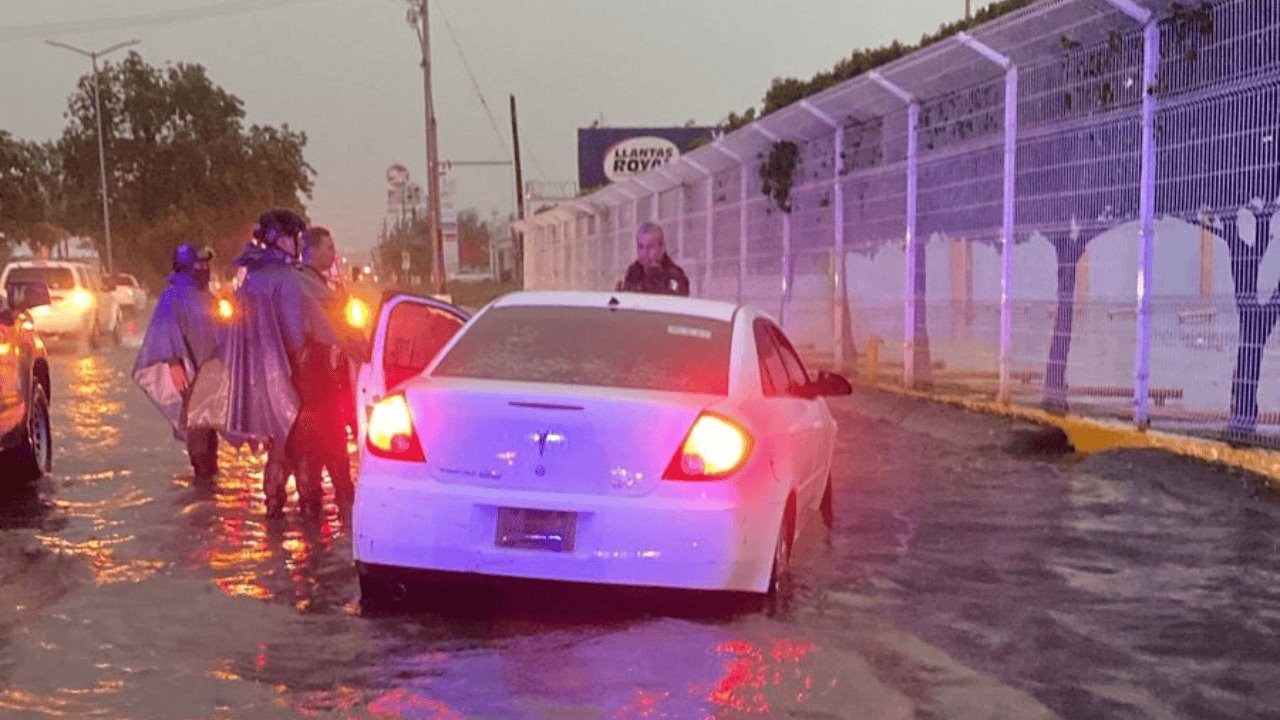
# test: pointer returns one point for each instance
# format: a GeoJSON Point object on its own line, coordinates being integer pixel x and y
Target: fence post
{"type": "Point", "coordinates": [1146, 209]}
{"type": "Point", "coordinates": [680, 210]}
{"type": "Point", "coordinates": [742, 215]}
{"type": "Point", "coordinates": [742, 232]}
{"type": "Point", "coordinates": [838, 296]}
{"type": "Point", "coordinates": [909, 246]}
{"type": "Point", "coordinates": [1146, 205]}
{"type": "Point", "coordinates": [1009, 205]}
{"type": "Point", "coordinates": [788, 254]}
{"type": "Point", "coordinates": [709, 220]}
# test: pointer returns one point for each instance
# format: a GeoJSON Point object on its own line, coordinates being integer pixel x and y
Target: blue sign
{"type": "Point", "coordinates": [607, 155]}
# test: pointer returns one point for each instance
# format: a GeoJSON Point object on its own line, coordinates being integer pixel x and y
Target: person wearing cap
{"type": "Point", "coordinates": [181, 337]}
{"type": "Point", "coordinates": [252, 397]}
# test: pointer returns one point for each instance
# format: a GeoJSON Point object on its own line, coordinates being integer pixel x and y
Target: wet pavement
{"type": "Point", "coordinates": [959, 581]}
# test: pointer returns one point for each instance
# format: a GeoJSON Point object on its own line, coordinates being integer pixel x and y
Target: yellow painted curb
{"type": "Point", "coordinates": [1090, 435]}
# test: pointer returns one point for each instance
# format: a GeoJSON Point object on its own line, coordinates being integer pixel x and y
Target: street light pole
{"type": "Point", "coordinates": [419, 19]}
{"type": "Point", "coordinates": [97, 112]}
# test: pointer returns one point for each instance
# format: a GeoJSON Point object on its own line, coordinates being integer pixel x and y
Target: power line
{"type": "Point", "coordinates": [479, 93]}
{"type": "Point", "coordinates": [474, 83]}
{"type": "Point", "coordinates": [129, 22]}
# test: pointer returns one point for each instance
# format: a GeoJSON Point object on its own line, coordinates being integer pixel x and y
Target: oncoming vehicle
{"type": "Point", "coordinates": [83, 306]}
{"type": "Point", "coordinates": [128, 292]}
{"type": "Point", "coordinates": [26, 447]}
{"type": "Point", "coordinates": [610, 438]}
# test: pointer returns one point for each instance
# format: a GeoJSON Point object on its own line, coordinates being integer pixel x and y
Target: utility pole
{"type": "Point", "coordinates": [97, 112]}
{"type": "Point", "coordinates": [518, 239]}
{"type": "Point", "coordinates": [967, 14]}
{"type": "Point", "coordinates": [419, 19]}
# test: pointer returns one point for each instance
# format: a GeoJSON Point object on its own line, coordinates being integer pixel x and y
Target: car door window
{"type": "Point", "coordinates": [796, 371]}
{"type": "Point", "coordinates": [773, 374]}
{"type": "Point", "coordinates": [415, 333]}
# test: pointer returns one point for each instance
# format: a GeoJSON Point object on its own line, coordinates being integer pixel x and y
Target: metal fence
{"type": "Point", "coordinates": [1067, 207]}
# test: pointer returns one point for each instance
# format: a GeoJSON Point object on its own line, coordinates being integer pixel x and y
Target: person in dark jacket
{"type": "Point", "coordinates": [323, 380]}
{"type": "Point", "coordinates": [654, 271]}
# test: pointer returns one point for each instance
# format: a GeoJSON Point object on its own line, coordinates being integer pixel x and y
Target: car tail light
{"type": "Point", "coordinates": [81, 298]}
{"type": "Point", "coordinates": [715, 448]}
{"type": "Point", "coordinates": [391, 433]}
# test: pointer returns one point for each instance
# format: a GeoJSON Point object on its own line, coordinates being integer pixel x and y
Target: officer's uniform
{"type": "Point", "coordinates": [665, 279]}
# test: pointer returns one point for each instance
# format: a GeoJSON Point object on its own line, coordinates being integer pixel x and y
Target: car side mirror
{"type": "Point", "coordinates": [26, 295]}
{"type": "Point", "coordinates": [832, 384]}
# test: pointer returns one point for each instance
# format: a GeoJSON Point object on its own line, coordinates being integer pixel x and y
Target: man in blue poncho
{"type": "Point", "coordinates": [249, 394]}
{"type": "Point", "coordinates": [181, 338]}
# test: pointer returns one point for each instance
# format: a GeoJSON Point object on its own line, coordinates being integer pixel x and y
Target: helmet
{"type": "Point", "coordinates": [283, 222]}
{"type": "Point", "coordinates": [186, 255]}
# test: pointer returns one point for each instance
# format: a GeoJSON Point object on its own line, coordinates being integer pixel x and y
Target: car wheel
{"type": "Point", "coordinates": [828, 506]}
{"type": "Point", "coordinates": [380, 594]}
{"type": "Point", "coordinates": [91, 340]}
{"type": "Point", "coordinates": [35, 454]}
{"type": "Point", "coordinates": [780, 576]}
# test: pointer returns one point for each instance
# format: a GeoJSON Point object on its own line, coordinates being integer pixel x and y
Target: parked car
{"type": "Point", "coordinates": [609, 438]}
{"type": "Point", "coordinates": [83, 305]}
{"type": "Point", "coordinates": [129, 294]}
{"type": "Point", "coordinates": [26, 447]}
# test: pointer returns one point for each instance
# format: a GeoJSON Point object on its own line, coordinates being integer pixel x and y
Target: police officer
{"type": "Point", "coordinates": [323, 381]}
{"type": "Point", "coordinates": [180, 339]}
{"type": "Point", "coordinates": [653, 271]}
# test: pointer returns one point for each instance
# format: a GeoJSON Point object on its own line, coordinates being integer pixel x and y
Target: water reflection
{"type": "Point", "coordinates": [94, 405]}
{"type": "Point", "coordinates": [296, 560]}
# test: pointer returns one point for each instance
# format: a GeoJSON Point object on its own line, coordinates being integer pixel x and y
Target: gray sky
{"type": "Point", "coordinates": [346, 72]}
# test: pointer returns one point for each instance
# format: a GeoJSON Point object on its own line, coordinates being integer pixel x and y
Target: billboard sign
{"type": "Point", "coordinates": [607, 155]}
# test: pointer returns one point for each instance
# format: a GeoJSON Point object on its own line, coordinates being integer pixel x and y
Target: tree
{"type": "Point", "coordinates": [785, 91]}
{"type": "Point", "coordinates": [475, 240]}
{"type": "Point", "coordinates": [181, 164]}
{"type": "Point", "coordinates": [1224, 176]}
{"type": "Point", "coordinates": [406, 239]}
{"type": "Point", "coordinates": [30, 192]}
{"type": "Point", "coordinates": [1227, 186]}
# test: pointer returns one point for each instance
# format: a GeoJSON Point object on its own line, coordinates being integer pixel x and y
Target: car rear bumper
{"type": "Point", "coordinates": [697, 536]}
{"type": "Point", "coordinates": [59, 321]}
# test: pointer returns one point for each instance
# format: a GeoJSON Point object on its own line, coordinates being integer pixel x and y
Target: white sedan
{"type": "Point", "coordinates": [128, 292]}
{"type": "Point", "coordinates": [610, 438]}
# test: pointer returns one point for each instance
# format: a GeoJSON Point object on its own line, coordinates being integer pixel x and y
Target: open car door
{"type": "Point", "coordinates": [410, 332]}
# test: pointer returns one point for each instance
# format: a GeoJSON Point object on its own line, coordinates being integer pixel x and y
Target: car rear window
{"type": "Point", "coordinates": [594, 346]}
{"type": "Point", "coordinates": [55, 277]}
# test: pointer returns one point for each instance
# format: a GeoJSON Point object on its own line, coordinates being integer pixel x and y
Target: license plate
{"type": "Point", "coordinates": [536, 529]}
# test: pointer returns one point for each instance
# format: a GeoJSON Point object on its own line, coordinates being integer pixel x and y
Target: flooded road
{"type": "Point", "coordinates": [959, 581]}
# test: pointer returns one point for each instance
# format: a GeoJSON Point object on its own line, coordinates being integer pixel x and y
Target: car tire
{"type": "Point", "coordinates": [780, 574]}
{"type": "Point", "coordinates": [379, 594]}
{"type": "Point", "coordinates": [827, 506]}
{"type": "Point", "coordinates": [93, 339]}
{"type": "Point", "coordinates": [34, 456]}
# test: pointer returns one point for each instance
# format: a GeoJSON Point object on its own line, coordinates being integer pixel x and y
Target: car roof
{"type": "Point", "coordinates": [46, 264]}
{"type": "Point", "coordinates": [694, 307]}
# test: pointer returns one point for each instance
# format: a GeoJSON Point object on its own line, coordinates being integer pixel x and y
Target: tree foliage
{"type": "Point", "coordinates": [30, 193]}
{"type": "Point", "coordinates": [181, 164]}
{"type": "Point", "coordinates": [785, 91]}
